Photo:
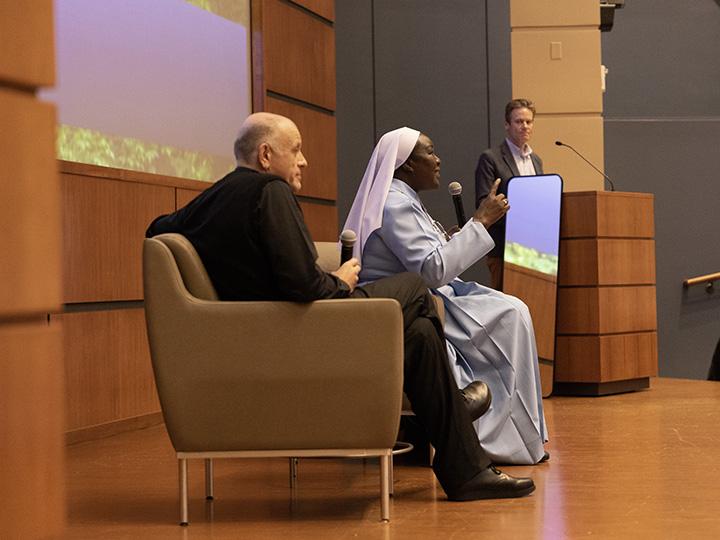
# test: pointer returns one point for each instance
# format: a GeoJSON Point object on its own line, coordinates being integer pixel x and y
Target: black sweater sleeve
{"type": "Point", "coordinates": [290, 249]}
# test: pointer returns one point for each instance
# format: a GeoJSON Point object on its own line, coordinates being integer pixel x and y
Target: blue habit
{"type": "Point", "coordinates": [490, 335]}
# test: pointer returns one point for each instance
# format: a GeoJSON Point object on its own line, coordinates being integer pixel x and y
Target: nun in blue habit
{"type": "Point", "coordinates": [489, 334]}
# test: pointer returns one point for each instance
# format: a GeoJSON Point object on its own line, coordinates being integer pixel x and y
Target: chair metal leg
{"type": "Point", "coordinates": [209, 491]}
{"type": "Point", "coordinates": [182, 476]}
{"type": "Point", "coordinates": [293, 472]}
{"type": "Point", "coordinates": [391, 476]}
{"type": "Point", "coordinates": [385, 463]}
{"type": "Point", "coordinates": [431, 452]}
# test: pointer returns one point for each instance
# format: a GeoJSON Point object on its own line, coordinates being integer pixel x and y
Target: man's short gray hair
{"type": "Point", "coordinates": [248, 140]}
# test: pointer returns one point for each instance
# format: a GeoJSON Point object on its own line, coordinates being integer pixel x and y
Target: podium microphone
{"type": "Point", "coordinates": [347, 239]}
{"type": "Point", "coordinates": [455, 190]}
{"type": "Point", "coordinates": [612, 186]}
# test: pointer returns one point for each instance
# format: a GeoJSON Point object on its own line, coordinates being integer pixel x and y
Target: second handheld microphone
{"type": "Point", "coordinates": [347, 240]}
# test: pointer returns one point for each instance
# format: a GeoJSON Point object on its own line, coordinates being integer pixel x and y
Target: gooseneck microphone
{"type": "Point", "coordinates": [347, 239]}
{"type": "Point", "coordinates": [455, 190]}
{"type": "Point", "coordinates": [612, 186]}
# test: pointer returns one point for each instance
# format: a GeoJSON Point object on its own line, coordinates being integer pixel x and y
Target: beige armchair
{"type": "Point", "coordinates": [268, 379]}
{"type": "Point", "coordinates": [329, 260]}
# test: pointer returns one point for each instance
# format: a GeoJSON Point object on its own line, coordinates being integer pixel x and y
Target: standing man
{"type": "Point", "coordinates": [513, 157]}
{"type": "Point", "coordinates": [249, 232]}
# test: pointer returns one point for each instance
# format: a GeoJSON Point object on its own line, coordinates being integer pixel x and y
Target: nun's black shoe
{"type": "Point", "coordinates": [477, 399]}
{"type": "Point", "coordinates": [492, 483]}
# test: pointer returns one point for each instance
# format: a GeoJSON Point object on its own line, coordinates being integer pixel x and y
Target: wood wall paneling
{"type": "Point", "coordinates": [298, 53]}
{"type": "Point", "coordinates": [29, 206]}
{"type": "Point", "coordinates": [31, 427]}
{"type": "Point", "coordinates": [27, 43]}
{"type": "Point", "coordinates": [539, 292]}
{"type": "Point", "coordinates": [606, 310]}
{"type": "Point", "coordinates": [585, 133]}
{"type": "Point", "coordinates": [593, 359]}
{"type": "Point", "coordinates": [607, 261]}
{"type": "Point", "coordinates": [321, 220]}
{"type": "Point", "coordinates": [32, 475]}
{"type": "Point", "coordinates": [127, 175]}
{"type": "Point", "coordinates": [104, 223]}
{"type": "Point", "coordinates": [184, 196]}
{"type": "Point", "coordinates": [547, 376]}
{"type": "Point", "coordinates": [319, 146]}
{"type": "Point", "coordinates": [107, 367]}
{"type": "Point", "coordinates": [324, 8]}
{"type": "Point", "coordinates": [537, 13]}
{"type": "Point", "coordinates": [567, 84]}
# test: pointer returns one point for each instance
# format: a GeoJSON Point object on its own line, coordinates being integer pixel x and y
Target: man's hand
{"type": "Point", "coordinates": [348, 272]}
{"type": "Point", "coordinates": [492, 207]}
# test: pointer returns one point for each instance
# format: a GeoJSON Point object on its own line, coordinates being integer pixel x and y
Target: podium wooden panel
{"type": "Point", "coordinates": [607, 314]}
{"type": "Point", "coordinates": [608, 261]}
{"type": "Point", "coordinates": [606, 310]}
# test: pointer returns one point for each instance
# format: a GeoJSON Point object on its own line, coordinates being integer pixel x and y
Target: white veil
{"type": "Point", "coordinates": [391, 151]}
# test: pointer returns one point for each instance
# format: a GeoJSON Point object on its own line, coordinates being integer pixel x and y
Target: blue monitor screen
{"type": "Point", "coordinates": [532, 231]}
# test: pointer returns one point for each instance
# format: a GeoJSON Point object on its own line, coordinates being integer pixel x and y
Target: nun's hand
{"type": "Point", "coordinates": [493, 207]}
{"type": "Point", "coordinates": [348, 272]}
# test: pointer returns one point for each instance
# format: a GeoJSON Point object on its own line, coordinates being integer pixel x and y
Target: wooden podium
{"type": "Point", "coordinates": [606, 318]}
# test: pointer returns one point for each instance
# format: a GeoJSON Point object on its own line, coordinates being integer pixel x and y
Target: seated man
{"type": "Point", "coordinates": [249, 231]}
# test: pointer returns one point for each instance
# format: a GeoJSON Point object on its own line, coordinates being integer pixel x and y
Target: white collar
{"type": "Point", "coordinates": [518, 152]}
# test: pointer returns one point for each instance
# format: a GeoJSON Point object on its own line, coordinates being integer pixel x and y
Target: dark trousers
{"type": "Point", "coordinates": [429, 383]}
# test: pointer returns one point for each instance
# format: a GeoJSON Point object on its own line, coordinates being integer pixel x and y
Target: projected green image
{"type": "Point", "coordinates": [90, 146]}
{"type": "Point", "coordinates": [232, 10]}
{"type": "Point", "coordinates": [528, 257]}
{"type": "Point", "coordinates": [162, 93]}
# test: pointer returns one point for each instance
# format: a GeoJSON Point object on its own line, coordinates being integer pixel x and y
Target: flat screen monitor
{"type": "Point", "coordinates": [531, 257]}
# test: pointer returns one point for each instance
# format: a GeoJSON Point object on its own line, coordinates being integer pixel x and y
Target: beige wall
{"type": "Point", "coordinates": [556, 63]}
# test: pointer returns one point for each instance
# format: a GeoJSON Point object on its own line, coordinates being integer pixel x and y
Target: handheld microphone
{"type": "Point", "coordinates": [612, 186]}
{"type": "Point", "coordinates": [347, 239]}
{"type": "Point", "coordinates": [455, 190]}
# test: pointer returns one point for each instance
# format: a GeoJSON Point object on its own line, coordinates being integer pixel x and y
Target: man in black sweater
{"type": "Point", "coordinates": [249, 231]}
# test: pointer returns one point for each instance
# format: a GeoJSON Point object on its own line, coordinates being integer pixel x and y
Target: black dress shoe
{"type": "Point", "coordinates": [544, 458]}
{"type": "Point", "coordinates": [492, 483]}
{"type": "Point", "coordinates": [477, 398]}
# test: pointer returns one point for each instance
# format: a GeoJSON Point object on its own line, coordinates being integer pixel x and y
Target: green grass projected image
{"type": "Point", "coordinates": [159, 87]}
{"type": "Point", "coordinates": [90, 146]}
{"type": "Point", "coordinates": [528, 257]}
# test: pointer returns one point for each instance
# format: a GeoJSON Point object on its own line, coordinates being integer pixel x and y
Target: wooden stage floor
{"type": "Point", "coordinates": [638, 465]}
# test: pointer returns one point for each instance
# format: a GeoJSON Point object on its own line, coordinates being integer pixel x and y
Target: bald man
{"type": "Point", "coordinates": [249, 231]}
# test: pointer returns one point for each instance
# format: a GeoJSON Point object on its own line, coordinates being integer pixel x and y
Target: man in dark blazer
{"type": "Point", "coordinates": [513, 157]}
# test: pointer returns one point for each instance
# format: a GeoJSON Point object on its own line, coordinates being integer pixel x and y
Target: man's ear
{"type": "Point", "coordinates": [263, 156]}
